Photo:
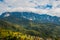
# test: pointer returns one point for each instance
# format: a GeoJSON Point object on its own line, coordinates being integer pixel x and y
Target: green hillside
{"type": "Point", "coordinates": [10, 31]}
{"type": "Point", "coordinates": [11, 35]}
{"type": "Point", "coordinates": [38, 30]}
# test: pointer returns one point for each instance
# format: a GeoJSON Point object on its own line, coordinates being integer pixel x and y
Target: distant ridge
{"type": "Point", "coordinates": [40, 18]}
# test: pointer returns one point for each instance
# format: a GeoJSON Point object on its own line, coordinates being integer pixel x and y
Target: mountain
{"type": "Point", "coordinates": [25, 16]}
{"type": "Point", "coordinates": [29, 23]}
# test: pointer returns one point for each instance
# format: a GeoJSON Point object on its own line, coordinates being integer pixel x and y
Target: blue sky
{"type": "Point", "coordinates": [1, 0]}
{"type": "Point", "coordinates": [50, 7]}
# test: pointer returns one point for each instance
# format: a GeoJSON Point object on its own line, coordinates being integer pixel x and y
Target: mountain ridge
{"type": "Point", "coordinates": [40, 18]}
{"type": "Point", "coordinates": [31, 24]}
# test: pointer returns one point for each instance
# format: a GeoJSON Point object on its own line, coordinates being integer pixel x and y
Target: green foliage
{"type": "Point", "coordinates": [44, 30]}
{"type": "Point", "coordinates": [11, 35]}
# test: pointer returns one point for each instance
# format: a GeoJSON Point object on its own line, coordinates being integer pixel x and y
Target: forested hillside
{"type": "Point", "coordinates": [38, 31]}
{"type": "Point", "coordinates": [29, 26]}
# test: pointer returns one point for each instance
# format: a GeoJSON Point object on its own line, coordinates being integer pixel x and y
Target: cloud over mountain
{"type": "Point", "coordinates": [50, 7]}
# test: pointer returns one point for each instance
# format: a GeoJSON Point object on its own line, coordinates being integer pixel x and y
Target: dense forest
{"type": "Point", "coordinates": [29, 26]}
{"type": "Point", "coordinates": [31, 31]}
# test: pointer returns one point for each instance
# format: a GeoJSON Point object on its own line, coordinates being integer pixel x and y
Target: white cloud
{"type": "Point", "coordinates": [26, 5]}
{"type": "Point", "coordinates": [3, 7]}
{"type": "Point", "coordinates": [28, 9]}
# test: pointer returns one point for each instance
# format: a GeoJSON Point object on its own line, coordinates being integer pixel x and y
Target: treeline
{"type": "Point", "coordinates": [11, 35]}
{"type": "Point", "coordinates": [37, 30]}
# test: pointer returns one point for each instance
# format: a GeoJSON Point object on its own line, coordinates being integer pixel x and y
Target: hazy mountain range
{"type": "Point", "coordinates": [39, 18]}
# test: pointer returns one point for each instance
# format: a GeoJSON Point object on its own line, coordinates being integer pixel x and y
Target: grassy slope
{"type": "Point", "coordinates": [34, 29]}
